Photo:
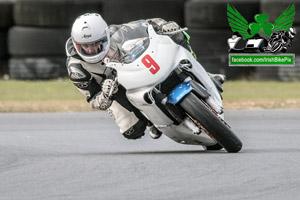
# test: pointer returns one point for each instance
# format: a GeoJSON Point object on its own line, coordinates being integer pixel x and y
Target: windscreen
{"type": "Point", "coordinates": [132, 40]}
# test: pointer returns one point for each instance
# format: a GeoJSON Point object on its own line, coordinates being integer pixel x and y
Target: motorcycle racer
{"type": "Point", "coordinates": [93, 44]}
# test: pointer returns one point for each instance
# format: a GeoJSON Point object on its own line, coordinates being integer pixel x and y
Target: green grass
{"type": "Point", "coordinates": [38, 90]}
{"type": "Point", "coordinates": [64, 90]}
{"type": "Point", "coordinates": [62, 96]}
{"type": "Point", "coordinates": [251, 90]}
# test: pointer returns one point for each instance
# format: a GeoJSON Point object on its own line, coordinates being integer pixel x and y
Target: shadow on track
{"type": "Point", "coordinates": [160, 152]}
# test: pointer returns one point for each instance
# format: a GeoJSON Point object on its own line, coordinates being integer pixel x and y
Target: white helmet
{"type": "Point", "coordinates": [90, 28]}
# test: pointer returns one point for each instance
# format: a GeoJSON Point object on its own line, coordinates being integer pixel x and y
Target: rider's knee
{"type": "Point", "coordinates": [136, 131]}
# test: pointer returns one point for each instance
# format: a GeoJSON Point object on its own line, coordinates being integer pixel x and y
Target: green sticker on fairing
{"type": "Point", "coordinates": [186, 35]}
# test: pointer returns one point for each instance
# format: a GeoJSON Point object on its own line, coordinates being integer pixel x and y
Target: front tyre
{"type": "Point", "coordinates": [217, 129]}
{"type": "Point", "coordinates": [213, 147]}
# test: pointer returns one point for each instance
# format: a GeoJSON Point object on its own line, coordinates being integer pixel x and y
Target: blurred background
{"type": "Point", "coordinates": [33, 32]}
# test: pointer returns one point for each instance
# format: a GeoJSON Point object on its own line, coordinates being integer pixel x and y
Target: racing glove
{"type": "Point", "coordinates": [107, 85]}
{"type": "Point", "coordinates": [162, 25]}
{"type": "Point", "coordinates": [102, 101]}
{"type": "Point", "coordinates": [169, 27]}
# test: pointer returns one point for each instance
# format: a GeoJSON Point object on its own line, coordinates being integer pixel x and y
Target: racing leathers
{"type": "Point", "coordinates": [93, 80]}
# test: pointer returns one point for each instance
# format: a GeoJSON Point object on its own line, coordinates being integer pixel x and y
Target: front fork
{"type": "Point", "coordinates": [168, 103]}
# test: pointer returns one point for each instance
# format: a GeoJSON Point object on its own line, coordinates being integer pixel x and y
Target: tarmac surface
{"type": "Point", "coordinates": [83, 156]}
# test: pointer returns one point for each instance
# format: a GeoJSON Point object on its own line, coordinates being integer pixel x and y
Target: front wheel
{"type": "Point", "coordinates": [213, 147]}
{"type": "Point", "coordinates": [216, 128]}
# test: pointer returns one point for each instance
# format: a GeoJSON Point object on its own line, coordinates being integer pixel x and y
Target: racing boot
{"type": "Point", "coordinates": [130, 125]}
{"type": "Point", "coordinates": [154, 132]}
{"type": "Point", "coordinates": [218, 80]}
{"type": "Point", "coordinates": [136, 131]}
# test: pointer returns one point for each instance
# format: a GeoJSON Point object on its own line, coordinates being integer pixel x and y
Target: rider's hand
{"type": "Point", "coordinates": [103, 102]}
{"type": "Point", "coordinates": [169, 27]}
{"type": "Point", "coordinates": [107, 85]}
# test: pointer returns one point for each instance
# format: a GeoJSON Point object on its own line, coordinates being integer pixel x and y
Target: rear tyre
{"type": "Point", "coordinates": [217, 128]}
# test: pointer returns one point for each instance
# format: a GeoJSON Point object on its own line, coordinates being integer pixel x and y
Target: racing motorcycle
{"type": "Point", "coordinates": [174, 92]}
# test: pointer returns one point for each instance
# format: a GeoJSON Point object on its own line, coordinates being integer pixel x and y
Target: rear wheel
{"type": "Point", "coordinates": [216, 128]}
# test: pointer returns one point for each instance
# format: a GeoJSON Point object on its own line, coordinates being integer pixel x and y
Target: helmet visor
{"type": "Point", "coordinates": [93, 48]}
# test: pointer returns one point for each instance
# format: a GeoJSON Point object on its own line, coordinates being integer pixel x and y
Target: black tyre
{"type": "Point", "coordinates": [213, 64]}
{"type": "Point", "coordinates": [6, 10]}
{"type": "Point", "coordinates": [217, 129]}
{"type": "Point", "coordinates": [30, 41]}
{"type": "Point", "coordinates": [209, 42]}
{"type": "Point", "coordinates": [214, 147]}
{"type": "Point", "coordinates": [52, 13]}
{"type": "Point", "coordinates": [212, 14]}
{"type": "Point", "coordinates": [3, 68]}
{"type": "Point", "coordinates": [37, 68]}
{"type": "Point", "coordinates": [3, 44]}
{"type": "Point", "coordinates": [170, 10]}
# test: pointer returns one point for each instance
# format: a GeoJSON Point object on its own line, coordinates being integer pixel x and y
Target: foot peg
{"type": "Point", "coordinates": [154, 132]}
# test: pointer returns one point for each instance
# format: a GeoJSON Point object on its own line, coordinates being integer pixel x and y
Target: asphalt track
{"type": "Point", "coordinates": [83, 156]}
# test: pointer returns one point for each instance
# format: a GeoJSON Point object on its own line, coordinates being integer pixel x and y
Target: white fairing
{"type": "Point", "coordinates": [142, 75]}
{"type": "Point", "coordinates": [136, 75]}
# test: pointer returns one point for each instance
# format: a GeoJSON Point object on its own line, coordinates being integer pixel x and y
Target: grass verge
{"type": "Point", "coordinates": [261, 95]}
{"type": "Point", "coordinates": [62, 96]}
